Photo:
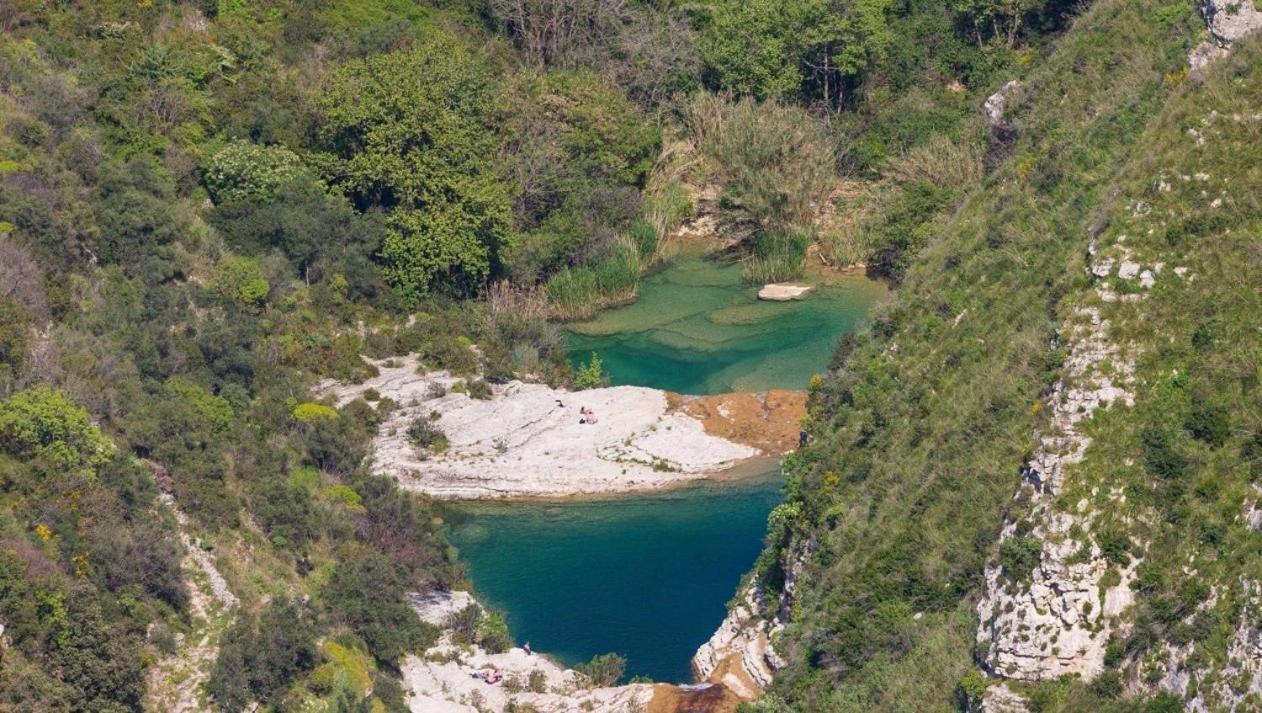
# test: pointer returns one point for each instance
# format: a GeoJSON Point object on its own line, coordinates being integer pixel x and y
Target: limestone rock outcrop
{"type": "Point", "coordinates": [784, 291]}
{"type": "Point", "coordinates": [1228, 21]}
{"type": "Point", "coordinates": [1057, 619]}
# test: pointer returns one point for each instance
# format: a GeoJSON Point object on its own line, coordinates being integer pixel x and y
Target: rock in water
{"type": "Point", "coordinates": [784, 291]}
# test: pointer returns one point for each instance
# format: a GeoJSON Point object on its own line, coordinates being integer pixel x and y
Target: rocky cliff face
{"type": "Point", "coordinates": [740, 654]}
{"type": "Point", "coordinates": [1229, 21]}
{"type": "Point", "coordinates": [1056, 620]}
{"type": "Point", "coordinates": [1062, 617]}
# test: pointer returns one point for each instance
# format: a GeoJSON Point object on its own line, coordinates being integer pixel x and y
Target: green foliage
{"type": "Point", "coordinates": [309, 411]}
{"type": "Point", "coordinates": [243, 170]}
{"type": "Point", "coordinates": [774, 162]}
{"type": "Point", "coordinates": [771, 50]}
{"type": "Point", "coordinates": [1019, 556]}
{"type": "Point", "coordinates": [408, 132]}
{"type": "Point", "coordinates": [423, 433]}
{"type": "Point", "coordinates": [260, 657]}
{"type": "Point", "coordinates": [591, 374]}
{"type": "Point", "coordinates": [14, 335]}
{"type": "Point", "coordinates": [492, 633]}
{"type": "Point", "coordinates": [41, 423]}
{"type": "Point", "coordinates": [579, 292]}
{"type": "Point", "coordinates": [776, 258]}
{"type": "Point", "coordinates": [603, 670]}
{"type": "Point", "coordinates": [578, 153]}
{"type": "Point", "coordinates": [240, 278]}
{"type": "Point", "coordinates": [214, 410]}
{"type": "Point", "coordinates": [367, 594]}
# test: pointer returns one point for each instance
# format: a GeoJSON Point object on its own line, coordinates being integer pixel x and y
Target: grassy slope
{"type": "Point", "coordinates": [922, 429]}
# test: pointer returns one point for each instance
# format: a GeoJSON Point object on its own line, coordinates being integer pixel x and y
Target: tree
{"type": "Point", "coordinates": [603, 670]}
{"type": "Point", "coordinates": [41, 422]}
{"type": "Point", "coordinates": [240, 279]}
{"type": "Point", "coordinates": [560, 31]}
{"type": "Point", "coordinates": [260, 657]}
{"type": "Point", "coordinates": [1003, 19]}
{"type": "Point", "coordinates": [243, 169]}
{"type": "Point", "coordinates": [367, 594]}
{"type": "Point", "coordinates": [14, 327]}
{"type": "Point", "coordinates": [591, 374]}
{"type": "Point", "coordinates": [769, 49]}
{"type": "Point", "coordinates": [410, 132]}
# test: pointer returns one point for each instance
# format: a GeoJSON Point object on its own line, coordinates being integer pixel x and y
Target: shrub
{"type": "Point", "coordinates": [368, 595]}
{"type": "Point", "coordinates": [259, 658]}
{"type": "Point", "coordinates": [243, 169]}
{"type": "Point", "coordinates": [603, 670]}
{"type": "Point", "coordinates": [1019, 556]}
{"type": "Point", "coordinates": [310, 411]}
{"type": "Point", "coordinates": [492, 633]}
{"type": "Point", "coordinates": [776, 258]}
{"type": "Point", "coordinates": [423, 433]}
{"type": "Point", "coordinates": [41, 422]}
{"type": "Point", "coordinates": [591, 374]}
{"type": "Point", "coordinates": [645, 237]}
{"type": "Point", "coordinates": [463, 624]}
{"type": "Point", "coordinates": [479, 389]}
{"type": "Point", "coordinates": [775, 163]}
{"type": "Point", "coordinates": [240, 279]}
{"type": "Point", "coordinates": [580, 292]}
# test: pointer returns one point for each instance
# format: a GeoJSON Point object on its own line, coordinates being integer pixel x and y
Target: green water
{"type": "Point", "coordinates": [645, 576]}
{"type": "Point", "coordinates": [697, 329]}
{"type": "Point", "coordinates": [649, 577]}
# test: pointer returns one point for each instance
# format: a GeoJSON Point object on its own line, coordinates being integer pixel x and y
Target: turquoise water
{"type": "Point", "coordinates": [647, 577]}
{"type": "Point", "coordinates": [697, 329]}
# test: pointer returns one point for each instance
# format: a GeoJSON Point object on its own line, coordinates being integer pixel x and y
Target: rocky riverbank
{"type": "Point", "coordinates": [442, 679]}
{"type": "Point", "coordinates": [530, 440]}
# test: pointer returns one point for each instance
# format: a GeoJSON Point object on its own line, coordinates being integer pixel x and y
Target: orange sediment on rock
{"type": "Point", "coordinates": [676, 699]}
{"type": "Point", "coordinates": [769, 421]}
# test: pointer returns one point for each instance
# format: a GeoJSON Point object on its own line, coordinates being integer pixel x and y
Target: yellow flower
{"type": "Point", "coordinates": [43, 533]}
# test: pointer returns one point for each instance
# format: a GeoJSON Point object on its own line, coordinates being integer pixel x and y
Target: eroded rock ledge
{"type": "Point", "coordinates": [528, 440]}
{"type": "Point", "coordinates": [441, 680]}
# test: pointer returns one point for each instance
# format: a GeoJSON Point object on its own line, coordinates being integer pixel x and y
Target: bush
{"type": "Point", "coordinates": [423, 433]}
{"type": "Point", "coordinates": [368, 595]}
{"type": "Point", "coordinates": [1019, 556]}
{"type": "Point", "coordinates": [479, 389]}
{"type": "Point", "coordinates": [242, 169]}
{"type": "Point", "coordinates": [590, 375]}
{"type": "Point", "coordinates": [41, 422]}
{"type": "Point", "coordinates": [580, 292]}
{"type": "Point", "coordinates": [240, 279]}
{"type": "Point", "coordinates": [492, 633]}
{"type": "Point", "coordinates": [259, 658]}
{"type": "Point", "coordinates": [776, 258]}
{"type": "Point", "coordinates": [309, 412]}
{"type": "Point", "coordinates": [603, 670]}
{"type": "Point", "coordinates": [775, 163]}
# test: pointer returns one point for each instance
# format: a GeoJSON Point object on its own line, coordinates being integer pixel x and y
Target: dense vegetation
{"type": "Point", "coordinates": [923, 423]}
{"type": "Point", "coordinates": [207, 206]}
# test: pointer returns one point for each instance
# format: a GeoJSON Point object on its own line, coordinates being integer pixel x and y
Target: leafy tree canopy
{"type": "Point", "coordinates": [40, 422]}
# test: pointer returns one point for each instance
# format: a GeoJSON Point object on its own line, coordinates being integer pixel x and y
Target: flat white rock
{"type": "Point", "coordinates": [784, 291]}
